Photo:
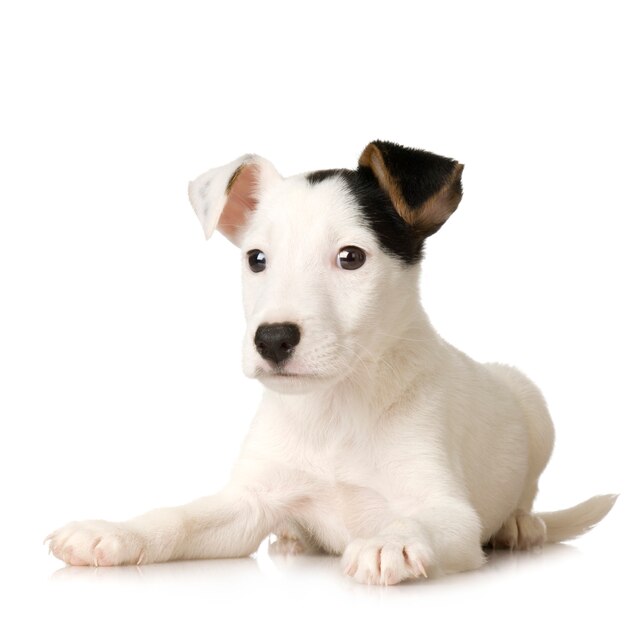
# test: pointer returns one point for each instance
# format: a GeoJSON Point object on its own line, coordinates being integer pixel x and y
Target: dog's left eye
{"type": "Point", "coordinates": [256, 260]}
{"type": "Point", "coordinates": [350, 258]}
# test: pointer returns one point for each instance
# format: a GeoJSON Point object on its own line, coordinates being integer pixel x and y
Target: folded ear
{"type": "Point", "coordinates": [224, 197]}
{"type": "Point", "coordinates": [424, 188]}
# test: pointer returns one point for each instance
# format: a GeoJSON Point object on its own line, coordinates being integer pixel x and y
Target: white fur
{"type": "Point", "coordinates": [387, 445]}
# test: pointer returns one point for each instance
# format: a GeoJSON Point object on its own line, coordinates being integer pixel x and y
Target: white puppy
{"type": "Point", "coordinates": [375, 438]}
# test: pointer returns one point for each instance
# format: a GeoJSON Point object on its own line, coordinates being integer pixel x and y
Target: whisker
{"type": "Point", "coordinates": [363, 362]}
{"type": "Point", "coordinates": [380, 359]}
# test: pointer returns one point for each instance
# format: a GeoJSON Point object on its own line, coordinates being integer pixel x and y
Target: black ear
{"type": "Point", "coordinates": [424, 188]}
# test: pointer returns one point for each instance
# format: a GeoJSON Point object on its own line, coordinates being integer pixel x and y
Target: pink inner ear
{"type": "Point", "coordinates": [240, 203]}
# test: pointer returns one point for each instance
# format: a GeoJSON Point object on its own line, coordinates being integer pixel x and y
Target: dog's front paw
{"type": "Point", "coordinates": [386, 560]}
{"type": "Point", "coordinates": [97, 543]}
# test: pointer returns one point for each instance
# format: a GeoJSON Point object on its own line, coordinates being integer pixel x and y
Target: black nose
{"type": "Point", "coordinates": [275, 342]}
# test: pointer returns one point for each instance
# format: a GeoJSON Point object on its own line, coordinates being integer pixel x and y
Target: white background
{"type": "Point", "coordinates": [120, 327]}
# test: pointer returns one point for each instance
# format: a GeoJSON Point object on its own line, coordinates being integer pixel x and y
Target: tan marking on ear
{"type": "Point", "coordinates": [373, 158]}
{"type": "Point", "coordinates": [440, 206]}
{"type": "Point", "coordinates": [233, 178]}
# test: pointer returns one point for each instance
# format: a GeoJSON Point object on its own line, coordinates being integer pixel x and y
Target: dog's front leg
{"type": "Point", "coordinates": [230, 524]}
{"type": "Point", "coordinates": [438, 538]}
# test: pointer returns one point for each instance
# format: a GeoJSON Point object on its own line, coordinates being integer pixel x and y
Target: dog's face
{"type": "Point", "coordinates": [329, 259]}
{"type": "Point", "coordinates": [316, 285]}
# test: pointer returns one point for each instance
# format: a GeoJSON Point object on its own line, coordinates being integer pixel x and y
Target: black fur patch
{"type": "Point", "coordinates": [321, 175]}
{"type": "Point", "coordinates": [394, 235]}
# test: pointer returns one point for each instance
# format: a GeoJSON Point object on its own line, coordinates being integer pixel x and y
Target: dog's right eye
{"type": "Point", "coordinates": [256, 260]}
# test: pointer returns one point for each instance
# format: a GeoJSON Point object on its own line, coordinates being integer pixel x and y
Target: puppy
{"type": "Point", "coordinates": [375, 439]}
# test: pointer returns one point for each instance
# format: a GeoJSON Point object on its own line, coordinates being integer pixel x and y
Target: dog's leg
{"type": "Point", "coordinates": [291, 539]}
{"type": "Point", "coordinates": [521, 531]}
{"type": "Point", "coordinates": [438, 539]}
{"type": "Point", "coordinates": [230, 524]}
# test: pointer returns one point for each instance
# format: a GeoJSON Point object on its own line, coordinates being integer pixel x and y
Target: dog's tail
{"type": "Point", "coordinates": [577, 520]}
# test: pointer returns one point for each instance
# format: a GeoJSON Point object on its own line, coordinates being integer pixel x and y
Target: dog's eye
{"type": "Point", "coordinates": [350, 258]}
{"type": "Point", "coordinates": [256, 260]}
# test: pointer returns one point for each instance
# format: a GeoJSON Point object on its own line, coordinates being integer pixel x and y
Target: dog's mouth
{"type": "Point", "coordinates": [281, 374]}
{"type": "Point", "coordinates": [290, 382]}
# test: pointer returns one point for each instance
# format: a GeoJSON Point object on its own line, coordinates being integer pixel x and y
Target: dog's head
{"type": "Point", "coordinates": [329, 258]}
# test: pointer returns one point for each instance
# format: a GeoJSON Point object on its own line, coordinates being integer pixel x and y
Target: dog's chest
{"type": "Point", "coordinates": [335, 470]}
{"type": "Point", "coordinates": [321, 442]}
{"type": "Point", "coordinates": [344, 493]}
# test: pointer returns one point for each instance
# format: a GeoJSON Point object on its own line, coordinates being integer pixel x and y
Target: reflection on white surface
{"type": "Point", "coordinates": [266, 566]}
{"type": "Point", "coordinates": [548, 586]}
{"type": "Point", "coordinates": [160, 572]}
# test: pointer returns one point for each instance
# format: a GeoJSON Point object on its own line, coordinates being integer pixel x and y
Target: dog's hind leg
{"type": "Point", "coordinates": [521, 531]}
{"type": "Point", "coordinates": [291, 539]}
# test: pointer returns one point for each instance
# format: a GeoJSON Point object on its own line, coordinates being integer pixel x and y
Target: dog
{"type": "Point", "coordinates": [375, 439]}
